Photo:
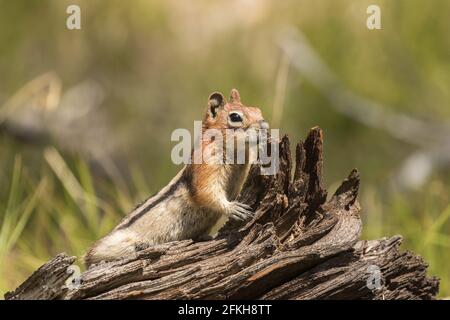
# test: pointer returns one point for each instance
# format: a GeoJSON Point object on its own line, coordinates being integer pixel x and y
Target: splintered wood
{"type": "Point", "coordinates": [299, 245]}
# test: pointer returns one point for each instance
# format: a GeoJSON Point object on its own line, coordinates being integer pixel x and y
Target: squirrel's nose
{"type": "Point", "coordinates": [263, 124]}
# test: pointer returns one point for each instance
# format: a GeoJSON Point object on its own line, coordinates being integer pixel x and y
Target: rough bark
{"type": "Point", "coordinates": [298, 246]}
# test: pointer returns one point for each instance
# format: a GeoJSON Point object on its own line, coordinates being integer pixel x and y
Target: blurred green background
{"type": "Point", "coordinates": [152, 65]}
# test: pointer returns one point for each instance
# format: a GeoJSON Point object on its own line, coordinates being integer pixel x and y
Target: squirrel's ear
{"type": "Point", "coordinates": [216, 100]}
{"type": "Point", "coordinates": [234, 96]}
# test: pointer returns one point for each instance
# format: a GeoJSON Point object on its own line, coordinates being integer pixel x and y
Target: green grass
{"type": "Point", "coordinates": [59, 212]}
{"type": "Point", "coordinates": [422, 218]}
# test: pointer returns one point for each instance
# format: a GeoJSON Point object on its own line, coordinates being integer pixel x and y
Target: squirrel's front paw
{"type": "Point", "coordinates": [240, 211]}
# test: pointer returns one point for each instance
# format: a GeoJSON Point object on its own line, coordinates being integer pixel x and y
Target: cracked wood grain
{"type": "Point", "coordinates": [299, 245]}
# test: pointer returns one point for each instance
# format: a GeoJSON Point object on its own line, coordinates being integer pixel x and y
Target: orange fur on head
{"type": "Point", "coordinates": [218, 110]}
{"type": "Point", "coordinates": [209, 179]}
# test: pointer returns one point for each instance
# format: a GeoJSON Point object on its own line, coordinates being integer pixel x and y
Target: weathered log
{"type": "Point", "coordinates": [298, 246]}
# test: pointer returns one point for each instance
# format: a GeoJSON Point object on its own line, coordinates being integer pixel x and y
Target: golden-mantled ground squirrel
{"type": "Point", "coordinates": [196, 197]}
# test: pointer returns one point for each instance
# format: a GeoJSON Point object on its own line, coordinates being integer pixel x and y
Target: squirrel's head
{"type": "Point", "coordinates": [233, 122]}
{"type": "Point", "coordinates": [221, 114]}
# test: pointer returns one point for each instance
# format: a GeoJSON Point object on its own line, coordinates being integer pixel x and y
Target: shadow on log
{"type": "Point", "coordinates": [298, 246]}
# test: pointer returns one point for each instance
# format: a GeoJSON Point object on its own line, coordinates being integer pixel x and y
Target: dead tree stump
{"type": "Point", "coordinates": [298, 246]}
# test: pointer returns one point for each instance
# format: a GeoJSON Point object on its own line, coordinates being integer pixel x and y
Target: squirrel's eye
{"type": "Point", "coordinates": [234, 117]}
